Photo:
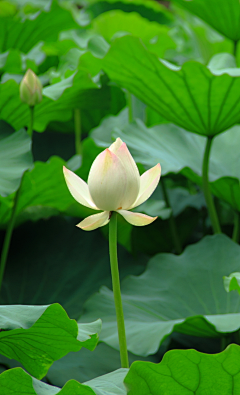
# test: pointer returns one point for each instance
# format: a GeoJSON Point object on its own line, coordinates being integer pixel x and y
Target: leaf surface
{"type": "Point", "coordinates": [117, 23]}
{"type": "Point", "coordinates": [183, 293]}
{"type": "Point", "coordinates": [37, 336]}
{"type": "Point", "coordinates": [224, 16]}
{"type": "Point", "coordinates": [201, 99]}
{"type": "Point", "coordinates": [15, 158]}
{"type": "Point", "coordinates": [187, 372]}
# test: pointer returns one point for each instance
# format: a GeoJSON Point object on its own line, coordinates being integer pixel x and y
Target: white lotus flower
{"type": "Point", "coordinates": [114, 184]}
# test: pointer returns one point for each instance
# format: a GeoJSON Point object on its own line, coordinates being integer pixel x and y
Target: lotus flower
{"type": "Point", "coordinates": [114, 184]}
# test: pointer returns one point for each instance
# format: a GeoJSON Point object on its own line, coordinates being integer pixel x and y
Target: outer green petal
{"type": "Point", "coordinates": [116, 145]}
{"type": "Point", "coordinates": [94, 221]}
{"type": "Point", "coordinates": [136, 219]}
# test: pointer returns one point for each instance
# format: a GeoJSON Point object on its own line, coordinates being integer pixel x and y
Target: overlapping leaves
{"type": "Point", "coordinates": [37, 336]}
{"type": "Point", "coordinates": [43, 26]}
{"type": "Point", "coordinates": [17, 381]}
{"type": "Point", "coordinates": [200, 99]}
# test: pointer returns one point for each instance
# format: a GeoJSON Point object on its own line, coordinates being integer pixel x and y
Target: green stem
{"type": "Point", "coordinates": [235, 235]}
{"type": "Point", "coordinates": [8, 236]}
{"type": "Point", "coordinates": [77, 127]}
{"type": "Point", "coordinates": [172, 224]}
{"type": "Point", "coordinates": [235, 44]}
{"type": "Point", "coordinates": [116, 290]}
{"type": "Point", "coordinates": [30, 127]}
{"type": "Point", "coordinates": [130, 107]}
{"type": "Point", "coordinates": [206, 189]}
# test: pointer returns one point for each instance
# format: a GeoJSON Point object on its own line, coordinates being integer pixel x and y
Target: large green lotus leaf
{"type": "Point", "coordinates": [37, 336]}
{"type": "Point", "coordinates": [187, 372]}
{"type": "Point", "coordinates": [58, 101]}
{"type": "Point", "coordinates": [16, 381]}
{"type": "Point", "coordinates": [224, 16]}
{"type": "Point", "coordinates": [203, 100]}
{"type": "Point", "coordinates": [150, 10]}
{"type": "Point", "coordinates": [15, 158]}
{"type": "Point", "coordinates": [184, 293]}
{"type": "Point", "coordinates": [180, 151]}
{"type": "Point", "coordinates": [117, 23]}
{"type": "Point", "coordinates": [75, 266]}
{"type": "Point", "coordinates": [43, 26]}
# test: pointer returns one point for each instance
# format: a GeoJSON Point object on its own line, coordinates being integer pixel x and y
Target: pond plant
{"type": "Point", "coordinates": [97, 99]}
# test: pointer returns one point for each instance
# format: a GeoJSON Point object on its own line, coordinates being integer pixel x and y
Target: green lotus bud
{"type": "Point", "coordinates": [30, 89]}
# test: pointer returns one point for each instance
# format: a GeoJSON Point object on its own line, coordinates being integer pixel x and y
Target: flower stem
{"type": "Point", "coordinates": [78, 132]}
{"type": "Point", "coordinates": [116, 290]}
{"type": "Point", "coordinates": [235, 235]}
{"type": "Point", "coordinates": [8, 236]}
{"type": "Point", "coordinates": [172, 224]}
{"type": "Point", "coordinates": [206, 189]}
{"type": "Point", "coordinates": [30, 127]}
{"type": "Point", "coordinates": [235, 44]}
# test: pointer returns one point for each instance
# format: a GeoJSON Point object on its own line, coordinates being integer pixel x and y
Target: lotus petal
{"type": "Point", "coordinates": [78, 189]}
{"type": "Point", "coordinates": [94, 221]}
{"type": "Point", "coordinates": [136, 219]}
{"type": "Point", "coordinates": [133, 176]}
{"type": "Point", "coordinates": [148, 183]}
{"type": "Point", "coordinates": [107, 181]}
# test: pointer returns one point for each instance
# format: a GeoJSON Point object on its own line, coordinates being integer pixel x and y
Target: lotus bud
{"type": "Point", "coordinates": [30, 89]}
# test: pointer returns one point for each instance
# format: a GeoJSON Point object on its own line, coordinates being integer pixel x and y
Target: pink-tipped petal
{"type": "Point", "coordinates": [133, 176]}
{"type": "Point", "coordinates": [78, 189]}
{"type": "Point", "coordinates": [116, 145]}
{"type": "Point", "coordinates": [136, 219]}
{"type": "Point", "coordinates": [120, 149]}
{"type": "Point", "coordinates": [148, 183]}
{"type": "Point", "coordinates": [107, 181]}
{"type": "Point", "coordinates": [94, 221]}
